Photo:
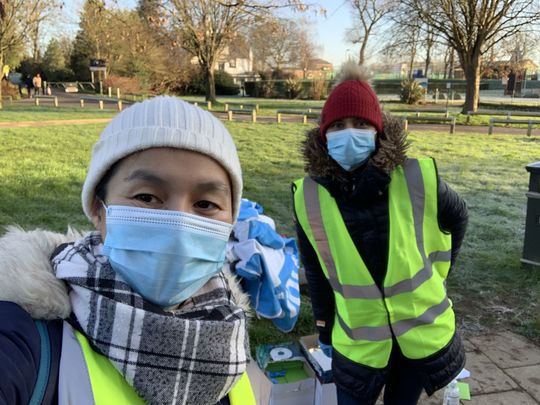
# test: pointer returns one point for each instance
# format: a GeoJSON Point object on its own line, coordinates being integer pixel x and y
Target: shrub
{"type": "Point", "coordinates": [411, 92]}
{"type": "Point", "coordinates": [130, 85]}
{"type": "Point", "coordinates": [225, 85]}
{"type": "Point", "coordinates": [224, 82]}
{"type": "Point", "coordinates": [265, 89]}
{"type": "Point", "coordinates": [318, 89]}
{"type": "Point", "coordinates": [293, 87]}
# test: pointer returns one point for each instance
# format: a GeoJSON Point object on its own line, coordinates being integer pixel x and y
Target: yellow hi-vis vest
{"type": "Point", "coordinates": [412, 306]}
{"type": "Point", "coordinates": [110, 387]}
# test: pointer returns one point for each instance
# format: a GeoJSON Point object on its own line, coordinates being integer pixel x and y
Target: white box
{"type": "Point", "coordinates": [325, 389]}
{"type": "Point", "coordinates": [325, 394]}
{"type": "Point", "coordinates": [266, 393]}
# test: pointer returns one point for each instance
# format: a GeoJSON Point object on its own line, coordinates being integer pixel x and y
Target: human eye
{"type": "Point", "coordinates": [336, 126]}
{"type": "Point", "coordinates": [206, 205]}
{"type": "Point", "coordinates": [147, 198]}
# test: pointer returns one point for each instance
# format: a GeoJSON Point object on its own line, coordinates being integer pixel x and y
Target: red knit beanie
{"type": "Point", "coordinates": [353, 97]}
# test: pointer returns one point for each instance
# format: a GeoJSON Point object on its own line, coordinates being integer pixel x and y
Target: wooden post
{"type": "Point", "coordinates": [453, 126]}
{"type": "Point", "coordinates": [469, 117]}
{"type": "Point", "coordinates": [119, 105]}
{"type": "Point", "coordinates": [241, 106]}
{"type": "Point", "coordinates": [278, 118]}
{"type": "Point", "coordinates": [529, 128]}
{"type": "Point", "coordinates": [436, 96]}
{"type": "Point", "coordinates": [226, 107]}
{"type": "Point", "coordinates": [490, 130]}
{"type": "Point", "coordinates": [82, 103]}
{"type": "Point", "coordinates": [209, 105]}
{"type": "Point", "coordinates": [229, 115]}
{"type": "Point", "coordinates": [405, 124]}
{"type": "Point", "coordinates": [118, 92]}
{"type": "Point", "coordinates": [101, 104]}
{"type": "Point", "coordinates": [55, 101]}
{"type": "Point", "coordinates": [36, 101]}
{"type": "Point", "coordinates": [254, 116]}
{"type": "Point", "coordinates": [257, 107]}
{"type": "Point", "coordinates": [109, 91]}
{"type": "Point", "coordinates": [446, 114]}
{"type": "Point", "coordinates": [417, 113]}
{"type": "Point", "coordinates": [304, 119]}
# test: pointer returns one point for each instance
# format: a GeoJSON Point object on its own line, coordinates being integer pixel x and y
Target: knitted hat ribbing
{"type": "Point", "coordinates": [353, 97]}
{"type": "Point", "coordinates": [162, 122]}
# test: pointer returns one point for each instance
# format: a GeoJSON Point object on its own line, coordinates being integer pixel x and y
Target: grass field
{"type": "Point", "coordinates": [42, 170]}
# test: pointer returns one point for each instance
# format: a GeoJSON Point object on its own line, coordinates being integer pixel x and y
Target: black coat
{"type": "Point", "coordinates": [362, 198]}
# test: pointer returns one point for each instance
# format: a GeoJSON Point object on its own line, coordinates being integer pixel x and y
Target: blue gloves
{"type": "Point", "coordinates": [327, 349]}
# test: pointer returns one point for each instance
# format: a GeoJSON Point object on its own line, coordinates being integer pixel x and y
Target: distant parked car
{"type": "Point", "coordinates": [71, 88]}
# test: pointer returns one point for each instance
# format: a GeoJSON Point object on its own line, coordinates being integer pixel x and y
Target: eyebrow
{"type": "Point", "coordinates": [208, 186]}
{"type": "Point", "coordinates": [213, 186]}
{"type": "Point", "coordinates": [145, 175]}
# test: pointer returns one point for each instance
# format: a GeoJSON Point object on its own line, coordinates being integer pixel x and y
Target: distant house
{"type": "Point", "coordinates": [237, 60]}
{"type": "Point", "coordinates": [316, 69]}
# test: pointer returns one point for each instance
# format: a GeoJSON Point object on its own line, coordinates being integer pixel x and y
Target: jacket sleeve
{"type": "Point", "coordinates": [19, 354]}
{"type": "Point", "coordinates": [453, 216]}
{"type": "Point", "coordinates": [321, 293]}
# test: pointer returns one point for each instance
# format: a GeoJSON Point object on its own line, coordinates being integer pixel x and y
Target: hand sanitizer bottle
{"type": "Point", "coordinates": [451, 394]}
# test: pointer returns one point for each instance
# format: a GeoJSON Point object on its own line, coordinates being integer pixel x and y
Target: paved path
{"type": "Point", "coordinates": [223, 117]}
{"type": "Point", "coordinates": [72, 100]}
{"type": "Point", "coordinates": [505, 370]}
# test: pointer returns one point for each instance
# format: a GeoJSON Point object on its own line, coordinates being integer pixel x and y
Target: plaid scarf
{"type": "Point", "coordinates": [192, 355]}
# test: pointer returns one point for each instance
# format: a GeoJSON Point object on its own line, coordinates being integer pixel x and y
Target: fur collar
{"type": "Point", "coordinates": [27, 277]}
{"type": "Point", "coordinates": [391, 152]}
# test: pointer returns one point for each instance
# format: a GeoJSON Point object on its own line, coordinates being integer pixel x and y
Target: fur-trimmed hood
{"type": "Point", "coordinates": [391, 151]}
{"type": "Point", "coordinates": [27, 278]}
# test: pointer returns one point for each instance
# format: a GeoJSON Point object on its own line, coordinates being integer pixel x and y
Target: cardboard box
{"type": "Point", "coordinates": [325, 389]}
{"type": "Point", "coordinates": [268, 392]}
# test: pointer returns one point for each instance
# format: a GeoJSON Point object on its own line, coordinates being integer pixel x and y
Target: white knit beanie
{"type": "Point", "coordinates": [162, 122]}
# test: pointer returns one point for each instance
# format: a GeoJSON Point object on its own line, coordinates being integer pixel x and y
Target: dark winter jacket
{"type": "Point", "coordinates": [362, 198]}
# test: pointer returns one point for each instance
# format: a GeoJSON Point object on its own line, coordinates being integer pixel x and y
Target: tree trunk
{"type": "Point", "coordinates": [428, 62]}
{"type": "Point", "coordinates": [210, 84]}
{"type": "Point", "coordinates": [411, 63]}
{"type": "Point", "coordinates": [362, 55]}
{"type": "Point", "coordinates": [451, 64]}
{"type": "Point", "coordinates": [471, 68]}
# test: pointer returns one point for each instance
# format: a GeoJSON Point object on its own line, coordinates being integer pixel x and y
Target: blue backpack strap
{"type": "Point", "coordinates": [44, 364]}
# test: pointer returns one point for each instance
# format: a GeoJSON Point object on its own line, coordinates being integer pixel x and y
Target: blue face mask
{"type": "Point", "coordinates": [165, 256]}
{"type": "Point", "coordinates": [351, 147]}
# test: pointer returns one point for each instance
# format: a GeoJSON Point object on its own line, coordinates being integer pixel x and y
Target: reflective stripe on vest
{"type": "Point", "coordinates": [99, 383]}
{"type": "Point", "coordinates": [418, 262]}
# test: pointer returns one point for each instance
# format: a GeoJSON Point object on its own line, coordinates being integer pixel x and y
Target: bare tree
{"type": "Point", "coordinates": [39, 14]}
{"type": "Point", "coordinates": [472, 27]}
{"type": "Point", "coordinates": [367, 14]}
{"type": "Point", "coordinates": [274, 43]}
{"type": "Point", "coordinates": [205, 27]}
{"type": "Point", "coordinates": [404, 37]}
{"type": "Point", "coordinates": [307, 48]}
